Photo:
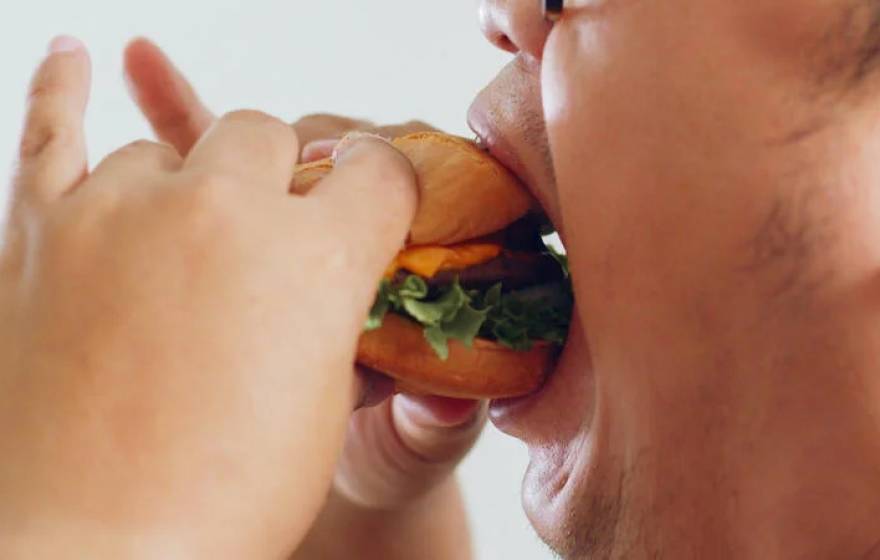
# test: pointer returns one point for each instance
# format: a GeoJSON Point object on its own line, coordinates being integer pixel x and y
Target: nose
{"type": "Point", "coordinates": [515, 26]}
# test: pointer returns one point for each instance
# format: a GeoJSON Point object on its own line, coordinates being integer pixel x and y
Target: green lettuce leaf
{"type": "Point", "coordinates": [414, 287]}
{"type": "Point", "coordinates": [465, 325]}
{"type": "Point", "coordinates": [443, 309]}
{"type": "Point", "coordinates": [447, 315]}
{"type": "Point", "coordinates": [515, 319]}
{"type": "Point", "coordinates": [518, 319]}
{"type": "Point", "coordinates": [438, 341]}
{"type": "Point", "coordinates": [380, 307]}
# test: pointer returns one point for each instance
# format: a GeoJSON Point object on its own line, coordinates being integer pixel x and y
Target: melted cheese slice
{"type": "Point", "coordinates": [428, 260]}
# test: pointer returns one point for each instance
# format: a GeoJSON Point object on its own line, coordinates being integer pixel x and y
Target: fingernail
{"type": "Point", "coordinates": [65, 43]}
{"type": "Point", "coordinates": [319, 149]}
{"type": "Point", "coordinates": [350, 140]}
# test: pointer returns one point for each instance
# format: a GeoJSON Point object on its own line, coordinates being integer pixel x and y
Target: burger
{"type": "Point", "coordinates": [476, 305]}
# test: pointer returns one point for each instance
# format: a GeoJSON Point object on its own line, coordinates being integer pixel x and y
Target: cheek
{"type": "Point", "coordinates": [632, 119]}
{"type": "Point", "coordinates": [563, 112]}
{"type": "Point", "coordinates": [642, 123]}
{"type": "Point", "coordinates": [800, 32]}
{"type": "Point", "coordinates": [590, 135]}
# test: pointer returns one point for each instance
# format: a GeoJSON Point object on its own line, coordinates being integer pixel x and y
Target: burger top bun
{"type": "Point", "coordinates": [464, 192]}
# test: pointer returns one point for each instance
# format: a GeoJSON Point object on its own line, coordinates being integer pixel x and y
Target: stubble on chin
{"type": "Point", "coordinates": [592, 527]}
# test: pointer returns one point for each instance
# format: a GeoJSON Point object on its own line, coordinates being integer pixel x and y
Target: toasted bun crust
{"type": "Point", "coordinates": [464, 192]}
{"type": "Point", "coordinates": [486, 371]}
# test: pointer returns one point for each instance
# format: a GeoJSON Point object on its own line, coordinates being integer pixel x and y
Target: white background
{"type": "Point", "coordinates": [387, 60]}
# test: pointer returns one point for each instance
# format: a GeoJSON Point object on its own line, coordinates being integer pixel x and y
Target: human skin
{"type": "Point", "coordinates": [711, 165]}
{"type": "Point", "coordinates": [171, 383]}
{"type": "Point", "coordinates": [717, 386]}
{"type": "Point", "coordinates": [394, 494]}
{"type": "Point", "coordinates": [714, 169]}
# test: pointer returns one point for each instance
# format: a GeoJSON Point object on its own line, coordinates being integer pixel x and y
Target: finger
{"type": "Point", "coordinates": [398, 130]}
{"type": "Point", "coordinates": [321, 126]}
{"type": "Point", "coordinates": [437, 430]}
{"type": "Point", "coordinates": [164, 95]}
{"type": "Point", "coordinates": [53, 146]}
{"type": "Point", "coordinates": [372, 191]}
{"type": "Point", "coordinates": [249, 146]}
{"type": "Point", "coordinates": [140, 159]}
{"type": "Point", "coordinates": [318, 149]}
{"type": "Point", "coordinates": [404, 447]}
{"type": "Point", "coordinates": [371, 388]}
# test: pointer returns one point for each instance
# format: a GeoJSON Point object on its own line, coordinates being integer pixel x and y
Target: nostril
{"type": "Point", "coordinates": [498, 23]}
{"type": "Point", "coordinates": [504, 42]}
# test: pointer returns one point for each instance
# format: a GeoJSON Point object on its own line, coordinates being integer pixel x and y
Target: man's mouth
{"type": "Point", "coordinates": [510, 154]}
{"type": "Point", "coordinates": [489, 139]}
{"type": "Point", "coordinates": [506, 413]}
{"type": "Point", "coordinates": [498, 147]}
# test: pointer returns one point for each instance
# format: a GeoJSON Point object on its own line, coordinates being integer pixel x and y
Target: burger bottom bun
{"type": "Point", "coordinates": [486, 371]}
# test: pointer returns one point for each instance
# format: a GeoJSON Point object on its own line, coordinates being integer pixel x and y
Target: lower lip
{"type": "Point", "coordinates": [504, 413]}
{"type": "Point", "coordinates": [499, 149]}
{"type": "Point", "coordinates": [508, 158]}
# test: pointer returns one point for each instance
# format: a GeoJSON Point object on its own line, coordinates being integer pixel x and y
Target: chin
{"type": "Point", "coordinates": [573, 500]}
{"type": "Point", "coordinates": [569, 492]}
{"type": "Point", "coordinates": [548, 493]}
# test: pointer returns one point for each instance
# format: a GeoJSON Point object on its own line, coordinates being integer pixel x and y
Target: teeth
{"type": "Point", "coordinates": [481, 144]}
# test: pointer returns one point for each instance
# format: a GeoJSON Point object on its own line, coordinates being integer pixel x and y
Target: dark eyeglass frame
{"type": "Point", "coordinates": [552, 9]}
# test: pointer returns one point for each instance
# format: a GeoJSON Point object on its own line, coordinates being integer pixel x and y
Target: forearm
{"type": "Point", "coordinates": [433, 528]}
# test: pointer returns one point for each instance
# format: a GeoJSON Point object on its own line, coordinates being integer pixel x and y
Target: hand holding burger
{"type": "Point", "coordinates": [399, 456]}
{"type": "Point", "coordinates": [475, 306]}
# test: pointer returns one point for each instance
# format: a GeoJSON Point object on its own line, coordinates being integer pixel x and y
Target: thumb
{"type": "Point", "coordinates": [437, 430]}
{"type": "Point", "coordinates": [403, 448]}
{"type": "Point", "coordinates": [166, 98]}
{"type": "Point", "coordinates": [372, 194]}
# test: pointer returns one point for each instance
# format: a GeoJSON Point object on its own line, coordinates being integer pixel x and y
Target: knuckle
{"type": "Point", "coordinates": [417, 126]}
{"type": "Point", "coordinates": [322, 118]}
{"type": "Point", "coordinates": [255, 117]}
{"type": "Point", "coordinates": [43, 135]}
{"type": "Point", "coordinates": [275, 126]}
{"type": "Point", "coordinates": [45, 90]}
{"type": "Point", "coordinates": [316, 119]}
{"type": "Point", "coordinates": [141, 145]}
{"type": "Point", "coordinates": [329, 124]}
{"type": "Point", "coordinates": [267, 138]}
{"type": "Point", "coordinates": [136, 148]}
{"type": "Point", "coordinates": [141, 152]}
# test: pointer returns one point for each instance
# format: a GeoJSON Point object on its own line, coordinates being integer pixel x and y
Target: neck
{"type": "Point", "coordinates": [805, 486]}
{"type": "Point", "coordinates": [806, 474]}
{"type": "Point", "coordinates": [788, 468]}
{"type": "Point", "coordinates": [759, 409]}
